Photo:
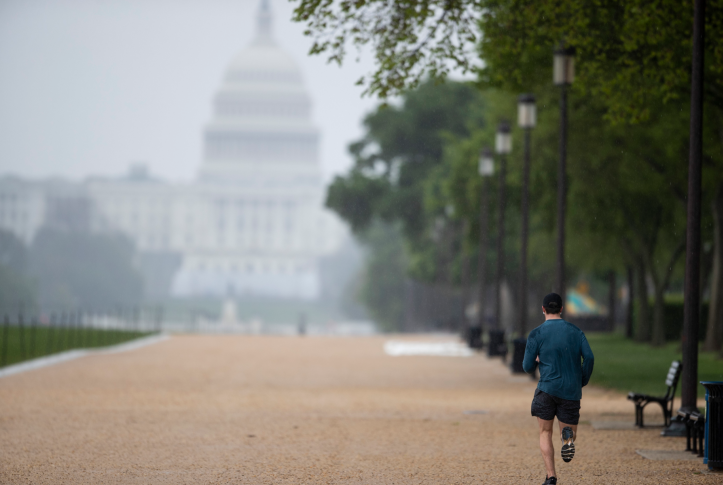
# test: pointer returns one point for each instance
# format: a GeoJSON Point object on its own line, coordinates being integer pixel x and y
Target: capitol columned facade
{"type": "Point", "coordinates": [252, 223]}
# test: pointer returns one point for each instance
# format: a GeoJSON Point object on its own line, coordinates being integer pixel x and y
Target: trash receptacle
{"type": "Point", "coordinates": [518, 355]}
{"type": "Point", "coordinates": [497, 343]}
{"type": "Point", "coordinates": [474, 337]}
{"type": "Point", "coordinates": [713, 424]}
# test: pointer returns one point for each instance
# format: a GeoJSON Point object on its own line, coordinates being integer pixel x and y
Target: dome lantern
{"type": "Point", "coordinates": [263, 24]}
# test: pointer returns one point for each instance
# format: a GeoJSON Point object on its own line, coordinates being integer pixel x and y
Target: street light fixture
{"type": "Point", "coordinates": [563, 76]}
{"type": "Point", "coordinates": [503, 139]}
{"type": "Point", "coordinates": [526, 111]}
{"type": "Point", "coordinates": [564, 66]}
{"type": "Point", "coordinates": [526, 119]}
{"type": "Point", "coordinates": [503, 146]}
{"type": "Point", "coordinates": [486, 168]}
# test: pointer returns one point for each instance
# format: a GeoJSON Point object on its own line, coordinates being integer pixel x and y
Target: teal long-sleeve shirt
{"type": "Point", "coordinates": [560, 346]}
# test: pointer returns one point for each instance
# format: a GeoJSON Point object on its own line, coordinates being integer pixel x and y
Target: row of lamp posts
{"type": "Point", "coordinates": [563, 75]}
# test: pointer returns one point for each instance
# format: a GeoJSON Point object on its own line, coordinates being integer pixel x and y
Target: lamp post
{"type": "Point", "coordinates": [486, 170]}
{"type": "Point", "coordinates": [503, 146]}
{"type": "Point", "coordinates": [691, 315]}
{"type": "Point", "coordinates": [691, 306]}
{"type": "Point", "coordinates": [563, 76]}
{"type": "Point", "coordinates": [526, 119]}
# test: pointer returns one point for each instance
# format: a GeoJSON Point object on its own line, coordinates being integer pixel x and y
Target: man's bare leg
{"type": "Point", "coordinates": [548, 451]}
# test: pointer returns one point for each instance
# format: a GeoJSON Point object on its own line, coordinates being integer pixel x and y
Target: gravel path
{"type": "Point", "coordinates": [263, 409]}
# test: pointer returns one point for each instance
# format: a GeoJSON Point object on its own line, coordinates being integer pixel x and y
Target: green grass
{"type": "Point", "coordinates": [22, 343]}
{"type": "Point", "coordinates": [629, 366]}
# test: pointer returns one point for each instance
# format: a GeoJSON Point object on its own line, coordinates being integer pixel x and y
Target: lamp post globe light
{"type": "Point", "coordinates": [563, 76]}
{"type": "Point", "coordinates": [526, 119]}
{"type": "Point", "coordinates": [503, 146]}
{"type": "Point", "coordinates": [564, 66]}
{"type": "Point", "coordinates": [503, 139]}
{"type": "Point", "coordinates": [526, 111]}
{"type": "Point", "coordinates": [486, 168]}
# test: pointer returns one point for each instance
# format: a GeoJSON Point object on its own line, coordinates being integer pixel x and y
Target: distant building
{"type": "Point", "coordinates": [252, 223]}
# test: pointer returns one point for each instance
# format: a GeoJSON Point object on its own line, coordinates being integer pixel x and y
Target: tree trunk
{"type": "Point", "coordinates": [611, 301]}
{"type": "Point", "coordinates": [631, 303]}
{"type": "Point", "coordinates": [661, 282]}
{"type": "Point", "coordinates": [659, 318]}
{"type": "Point", "coordinates": [715, 312]}
{"type": "Point", "coordinates": [642, 332]}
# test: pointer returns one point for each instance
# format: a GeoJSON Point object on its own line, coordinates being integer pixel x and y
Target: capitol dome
{"type": "Point", "coordinates": [261, 113]}
{"type": "Point", "coordinates": [263, 62]}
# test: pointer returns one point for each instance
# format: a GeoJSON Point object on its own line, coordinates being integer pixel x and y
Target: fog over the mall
{"type": "Point", "coordinates": [88, 87]}
{"type": "Point", "coordinates": [176, 154]}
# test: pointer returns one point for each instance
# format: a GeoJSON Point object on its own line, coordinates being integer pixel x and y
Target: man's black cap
{"type": "Point", "coordinates": [552, 301]}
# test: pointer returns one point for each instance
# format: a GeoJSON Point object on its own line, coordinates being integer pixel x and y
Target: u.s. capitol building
{"type": "Point", "coordinates": [253, 222]}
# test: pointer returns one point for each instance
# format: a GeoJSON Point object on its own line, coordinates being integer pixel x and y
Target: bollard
{"type": "Point", "coordinates": [301, 328]}
{"type": "Point", "coordinates": [518, 355]}
{"type": "Point", "coordinates": [713, 425]}
{"type": "Point", "coordinates": [474, 337]}
{"type": "Point", "coordinates": [497, 345]}
{"type": "Point", "coordinates": [699, 426]}
{"type": "Point", "coordinates": [684, 416]}
{"type": "Point", "coordinates": [159, 319]}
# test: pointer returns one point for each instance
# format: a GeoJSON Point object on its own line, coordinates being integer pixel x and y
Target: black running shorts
{"type": "Point", "coordinates": [546, 407]}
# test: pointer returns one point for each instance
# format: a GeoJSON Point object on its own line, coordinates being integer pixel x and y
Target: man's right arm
{"type": "Point", "coordinates": [529, 363]}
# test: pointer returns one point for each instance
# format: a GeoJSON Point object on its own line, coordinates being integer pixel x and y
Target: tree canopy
{"type": "Point", "coordinates": [16, 288]}
{"type": "Point", "coordinates": [632, 53]}
{"type": "Point", "coordinates": [401, 147]}
{"type": "Point", "coordinates": [628, 144]}
{"type": "Point", "coordinates": [411, 40]}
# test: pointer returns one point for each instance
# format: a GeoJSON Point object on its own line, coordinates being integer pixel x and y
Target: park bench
{"type": "Point", "coordinates": [695, 431]}
{"type": "Point", "coordinates": [666, 402]}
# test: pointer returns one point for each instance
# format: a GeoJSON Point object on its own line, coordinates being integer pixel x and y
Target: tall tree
{"type": "Point", "coordinates": [80, 269]}
{"type": "Point", "coordinates": [17, 291]}
{"type": "Point", "coordinates": [383, 278]}
{"type": "Point", "coordinates": [631, 56]}
{"type": "Point", "coordinates": [623, 207]}
{"type": "Point", "coordinates": [396, 159]}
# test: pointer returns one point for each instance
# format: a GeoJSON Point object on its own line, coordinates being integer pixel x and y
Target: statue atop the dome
{"type": "Point", "coordinates": [263, 24]}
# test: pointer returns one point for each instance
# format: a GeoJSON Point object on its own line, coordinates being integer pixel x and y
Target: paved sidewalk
{"type": "Point", "coordinates": [263, 409]}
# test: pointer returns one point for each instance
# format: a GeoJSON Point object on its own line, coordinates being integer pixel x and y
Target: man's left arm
{"type": "Point", "coordinates": [588, 360]}
{"type": "Point", "coordinates": [529, 362]}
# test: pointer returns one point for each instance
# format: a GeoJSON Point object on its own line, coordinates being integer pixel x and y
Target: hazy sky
{"type": "Point", "coordinates": [88, 87]}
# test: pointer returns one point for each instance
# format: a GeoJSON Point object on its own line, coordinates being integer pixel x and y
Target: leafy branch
{"type": "Point", "coordinates": [411, 40]}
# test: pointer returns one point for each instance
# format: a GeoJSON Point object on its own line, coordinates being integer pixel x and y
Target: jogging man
{"type": "Point", "coordinates": [558, 347]}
